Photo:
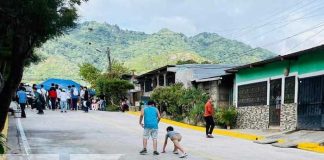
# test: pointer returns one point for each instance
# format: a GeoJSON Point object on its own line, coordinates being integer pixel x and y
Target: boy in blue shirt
{"type": "Point", "coordinates": [151, 119]}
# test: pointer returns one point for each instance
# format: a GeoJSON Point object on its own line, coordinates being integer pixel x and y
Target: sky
{"type": "Point", "coordinates": [281, 26]}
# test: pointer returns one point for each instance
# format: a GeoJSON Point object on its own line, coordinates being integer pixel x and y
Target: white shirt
{"type": "Point", "coordinates": [63, 96]}
{"type": "Point", "coordinates": [58, 92]}
{"type": "Point", "coordinates": [82, 92]}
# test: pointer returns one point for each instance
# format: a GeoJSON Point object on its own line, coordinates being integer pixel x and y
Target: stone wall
{"type": "Point", "coordinates": [288, 117]}
{"type": "Point", "coordinates": [253, 117]}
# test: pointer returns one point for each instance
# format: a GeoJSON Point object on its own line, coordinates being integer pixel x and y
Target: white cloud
{"type": "Point", "coordinates": [221, 16]}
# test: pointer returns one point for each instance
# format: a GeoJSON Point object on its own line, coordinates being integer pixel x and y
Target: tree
{"type": "Point", "coordinates": [26, 25]}
{"type": "Point", "coordinates": [113, 89]}
{"type": "Point", "coordinates": [117, 70]}
{"type": "Point", "coordinates": [89, 72]}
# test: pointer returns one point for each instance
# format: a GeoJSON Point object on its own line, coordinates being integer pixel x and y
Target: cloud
{"type": "Point", "coordinates": [224, 17]}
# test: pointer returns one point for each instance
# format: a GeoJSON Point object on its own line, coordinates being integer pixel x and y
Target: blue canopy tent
{"type": "Point", "coordinates": [63, 83]}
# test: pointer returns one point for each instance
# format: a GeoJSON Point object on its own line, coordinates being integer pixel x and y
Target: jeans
{"type": "Point", "coordinates": [68, 106]}
{"type": "Point", "coordinates": [74, 103]}
{"type": "Point", "coordinates": [210, 124]}
{"type": "Point", "coordinates": [22, 107]}
{"type": "Point", "coordinates": [63, 105]}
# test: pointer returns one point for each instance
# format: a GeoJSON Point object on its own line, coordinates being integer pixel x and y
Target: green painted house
{"type": "Point", "coordinates": [284, 92]}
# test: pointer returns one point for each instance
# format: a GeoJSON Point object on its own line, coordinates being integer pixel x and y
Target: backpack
{"type": "Point", "coordinates": [75, 92]}
{"type": "Point", "coordinates": [52, 94]}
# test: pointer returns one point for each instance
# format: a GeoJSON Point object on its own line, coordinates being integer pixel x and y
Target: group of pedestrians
{"type": "Point", "coordinates": [70, 98]}
{"type": "Point", "coordinates": [152, 117]}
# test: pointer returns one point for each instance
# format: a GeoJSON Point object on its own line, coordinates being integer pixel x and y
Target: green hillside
{"type": "Point", "coordinates": [137, 50]}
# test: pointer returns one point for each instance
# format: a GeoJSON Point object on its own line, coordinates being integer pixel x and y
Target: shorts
{"type": "Point", "coordinates": [149, 132]}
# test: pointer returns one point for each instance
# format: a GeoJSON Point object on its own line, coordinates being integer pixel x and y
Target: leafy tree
{"type": "Point", "coordinates": [117, 70]}
{"type": "Point", "coordinates": [24, 26]}
{"type": "Point", "coordinates": [89, 72]}
{"type": "Point", "coordinates": [113, 89]}
{"type": "Point", "coordinates": [169, 97]}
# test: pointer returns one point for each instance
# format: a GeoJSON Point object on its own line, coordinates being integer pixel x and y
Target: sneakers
{"type": "Point", "coordinates": [156, 153]}
{"type": "Point", "coordinates": [183, 155]}
{"type": "Point", "coordinates": [175, 152]}
{"type": "Point", "coordinates": [209, 136]}
{"type": "Point", "coordinates": [144, 151]}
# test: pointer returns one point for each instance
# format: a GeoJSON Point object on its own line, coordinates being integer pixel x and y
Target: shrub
{"type": "Point", "coordinates": [180, 103]}
{"type": "Point", "coordinates": [226, 116]}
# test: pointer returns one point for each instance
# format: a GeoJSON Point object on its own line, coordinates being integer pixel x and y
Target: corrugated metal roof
{"type": "Point", "coordinates": [203, 71]}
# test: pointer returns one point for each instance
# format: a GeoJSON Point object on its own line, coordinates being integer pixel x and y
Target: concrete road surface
{"type": "Point", "coordinates": [117, 136]}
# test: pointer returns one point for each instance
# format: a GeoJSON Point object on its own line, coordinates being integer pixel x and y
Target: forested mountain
{"type": "Point", "coordinates": [139, 51]}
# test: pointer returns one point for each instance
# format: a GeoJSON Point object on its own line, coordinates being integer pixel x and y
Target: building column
{"type": "Point", "coordinates": [164, 79]}
{"type": "Point", "coordinates": [158, 80]}
{"type": "Point", "coordinates": [144, 85]}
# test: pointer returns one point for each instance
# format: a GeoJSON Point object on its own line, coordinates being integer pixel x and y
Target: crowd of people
{"type": "Point", "coordinates": [64, 99]}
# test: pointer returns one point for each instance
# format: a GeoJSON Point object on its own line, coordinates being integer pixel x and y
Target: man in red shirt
{"type": "Point", "coordinates": [208, 115]}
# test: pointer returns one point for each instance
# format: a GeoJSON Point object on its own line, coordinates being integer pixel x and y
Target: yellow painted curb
{"type": "Point", "coordinates": [202, 129]}
{"type": "Point", "coordinates": [310, 146]}
{"type": "Point", "coordinates": [281, 141]}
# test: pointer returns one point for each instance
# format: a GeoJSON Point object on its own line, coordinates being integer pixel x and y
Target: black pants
{"type": "Point", "coordinates": [53, 102]}
{"type": "Point", "coordinates": [22, 107]}
{"type": "Point", "coordinates": [74, 103]}
{"type": "Point", "coordinates": [210, 124]}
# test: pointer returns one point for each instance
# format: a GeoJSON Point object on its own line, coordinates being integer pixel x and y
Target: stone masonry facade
{"type": "Point", "coordinates": [253, 117]}
{"type": "Point", "coordinates": [257, 117]}
{"type": "Point", "coordinates": [288, 117]}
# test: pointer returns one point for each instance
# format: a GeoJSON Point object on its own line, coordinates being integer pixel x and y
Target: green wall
{"type": "Point", "coordinates": [307, 63]}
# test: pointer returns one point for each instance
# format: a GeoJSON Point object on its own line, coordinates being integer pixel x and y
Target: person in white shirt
{"type": "Point", "coordinates": [63, 103]}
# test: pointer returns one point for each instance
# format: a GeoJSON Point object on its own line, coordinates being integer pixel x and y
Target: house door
{"type": "Point", "coordinates": [310, 112]}
{"type": "Point", "coordinates": [275, 102]}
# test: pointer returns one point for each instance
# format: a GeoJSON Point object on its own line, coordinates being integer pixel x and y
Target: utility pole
{"type": "Point", "coordinates": [109, 59]}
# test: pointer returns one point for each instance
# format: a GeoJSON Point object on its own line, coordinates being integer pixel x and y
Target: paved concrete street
{"type": "Point", "coordinates": [112, 135]}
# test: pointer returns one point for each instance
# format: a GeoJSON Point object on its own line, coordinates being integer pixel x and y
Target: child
{"type": "Point", "coordinates": [175, 138]}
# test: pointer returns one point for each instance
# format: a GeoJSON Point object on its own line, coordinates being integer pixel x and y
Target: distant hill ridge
{"type": "Point", "coordinates": [139, 51]}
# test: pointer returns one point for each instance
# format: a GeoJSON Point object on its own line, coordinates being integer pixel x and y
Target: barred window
{"type": "Point", "coordinates": [252, 94]}
{"type": "Point", "coordinates": [290, 89]}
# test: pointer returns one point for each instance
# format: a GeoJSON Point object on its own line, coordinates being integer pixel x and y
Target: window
{"type": "Point", "coordinates": [252, 94]}
{"type": "Point", "coordinates": [289, 89]}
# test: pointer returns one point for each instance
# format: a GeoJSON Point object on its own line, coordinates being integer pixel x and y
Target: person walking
{"type": "Point", "coordinates": [39, 101]}
{"type": "Point", "coordinates": [68, 93]}
{"type": "Point", "coordinates": [208, 115]}
{"type": "Point", "coordinates": [75, 97]}
{"type": "Point", "coordinates": [151, 119]}
{"type": "Point", "coordinates": [52, 94]}
{"type": "Point", "coordinates": [63, 102]}
{"type": "Point", "coordinates": [22, 100]}
{"type": "Point", "coordinates": [43, 93]}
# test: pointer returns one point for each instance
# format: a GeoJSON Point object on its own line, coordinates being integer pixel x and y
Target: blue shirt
{"type": "Point", "coordinates": [150, 117]}
{"type": "Point", "coordinates": [22, 96]}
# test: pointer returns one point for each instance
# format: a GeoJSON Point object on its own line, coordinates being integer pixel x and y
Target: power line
{"type": "Point", "coordinates": [271, 20]}
{"type": "Point", "coordinates": [308, 38]}
{"type": "Point", "coordinates": [275, 42]}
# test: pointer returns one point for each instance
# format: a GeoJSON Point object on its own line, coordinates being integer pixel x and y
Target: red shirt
{"type": "Point", "coordinates": [209, 109]}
